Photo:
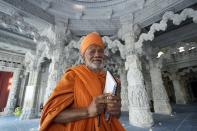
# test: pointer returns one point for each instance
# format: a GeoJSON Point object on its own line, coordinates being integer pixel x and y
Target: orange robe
{"type": "Point", "coordinates": [78, 86]}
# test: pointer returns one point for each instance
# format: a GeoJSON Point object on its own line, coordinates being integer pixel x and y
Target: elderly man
{"type": "Point", "coordinates": [78, 97]}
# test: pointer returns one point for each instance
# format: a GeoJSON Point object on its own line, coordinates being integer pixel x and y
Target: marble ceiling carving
{"type": "Point", "coordinates": [16, 24]}
{"type": "Point", "coordinates": [162, 25]}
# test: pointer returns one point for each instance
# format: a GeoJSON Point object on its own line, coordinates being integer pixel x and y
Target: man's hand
{"type": "Point", "coordinates": [113, 105]}
{"type": "Point", "coordinates": [74, 114]}
{"type": "Point", "coordinates": [97, 106]}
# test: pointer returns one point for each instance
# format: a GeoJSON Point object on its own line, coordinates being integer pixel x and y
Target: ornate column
{"type": "Point", "coordinates": [124, 89]}
{"type": "Point", "coordinates": [29, 106]}
{"type": "Point", "coordinates": [24, 82]}
{"type": "Point", "coordinates": [11, 103]}
{"type": "Point", "coordinates": [55, 68]}
{"type": "Point", "coordinates": [147, 78]}
{"type": "Point", "coordinates": [139, 110]}
{"type": "Point", "coordinates": [178, 89]}
{"type": "Point", "coordinates": [33, 67]}
{"type": "Point", "coordinates": [160, 97]}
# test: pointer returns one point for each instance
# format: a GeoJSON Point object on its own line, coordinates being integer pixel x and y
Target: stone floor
{"type": "Point", "coordinates": [183, 118]}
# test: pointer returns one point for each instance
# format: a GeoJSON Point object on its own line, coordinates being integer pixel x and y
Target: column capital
{"type": "Point", "coordinates": [128, 27]}
{"type": "Point", "coordinates": [129, 30]}
{"type": "Point", "coordinates": [61, 25]}
{"type": "Point", "coordinates": [129, 33]}
{"type": "Point", "coordinates": [156, 63]}
{"type": "Point", "coordinates": [174, 76]}
{"type": "Point", "coordinates": [129, 18]}
{"type": "Point", "coordinates": [29, 60]}
{"type": "Point", "coordinates": [132, 60]}
{"type": "Point", "coordinates": [61, 21]}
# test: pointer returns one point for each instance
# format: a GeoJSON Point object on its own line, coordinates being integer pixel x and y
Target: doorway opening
{"type": "Point", "coordinates": [193, 86]}
{"type": "Point", "coordinates": [5, 87]}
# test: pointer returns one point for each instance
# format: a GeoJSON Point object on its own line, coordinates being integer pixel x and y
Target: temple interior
{"type": "Point", "coordinates": [151, 46]}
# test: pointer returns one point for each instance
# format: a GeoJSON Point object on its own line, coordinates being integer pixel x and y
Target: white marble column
{"type": "Point", "coordinates": [24, 83]}
{"type": "Point", "coordinates": [179, 90]}
{"type": "Point", "coordinates": [148, 83]}
{"type": "Point", "coordinates": [139, 110]}
{"type": "Point", "coordinates": [124, 90]}
{"type": "Point", "coordinates": [29, 106]}
{"type": "Point", "coordinates": [56, 66]}
{"type": "Point", "coordinates": [160, 97]}
{"type": "Point", "coordinates": [11, 103]}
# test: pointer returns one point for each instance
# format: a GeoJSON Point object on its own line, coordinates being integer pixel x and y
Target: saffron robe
{"type": "Point", "coordinates": [76, 88]}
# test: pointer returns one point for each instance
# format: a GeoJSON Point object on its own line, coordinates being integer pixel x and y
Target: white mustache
{"type": "Point", "coordinates": [97, 59]}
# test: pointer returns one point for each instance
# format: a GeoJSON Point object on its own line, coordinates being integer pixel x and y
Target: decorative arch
{"type": "Point", "coordinates": [162, 25]}
{"type": "Point", "coordinates": [115, 46]}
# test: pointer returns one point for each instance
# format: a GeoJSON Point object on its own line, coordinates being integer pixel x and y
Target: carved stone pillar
{"type": "Point", "coordinates": [124, 89]}
{"type": "Point", "coordinates": [11, 103]}
{"type": "Point", "coordinates": [139, 110]}
{"type": "Point", "coordinates": [55, 68]}
{"type": "Point", "coordinates": [160, 97]}
{"type": "Point", "coordinates": [24, 82]}
{"type": "Point", "coordinates": [178, 89]}
{"type": "Point", "coordinates": [29, 106]}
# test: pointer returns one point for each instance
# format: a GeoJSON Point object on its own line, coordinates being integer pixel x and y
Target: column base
{"type": "Point", "coordinates": [28, 114]}
{"type": "Point", "coordinates": [162, 107]}
{"type": "Point", "coordinates": [181, 102]}
{"type": "Point", "coordinates": [10, 107]}
{"type": "Point", "coordinates": [8, 112]}
{"type": "Point", "coordinates": [140, 117]}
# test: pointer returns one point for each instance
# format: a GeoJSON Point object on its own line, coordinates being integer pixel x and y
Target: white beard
{"type": "Point", "coordinates": [95, 66]}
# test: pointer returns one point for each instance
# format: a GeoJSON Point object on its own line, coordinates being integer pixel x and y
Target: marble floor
{"type": "Point", "coordinates": [183, 118]}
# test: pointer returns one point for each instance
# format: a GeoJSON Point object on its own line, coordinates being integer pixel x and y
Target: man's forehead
{"type": "Point", "coordinates": [93, 46]}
